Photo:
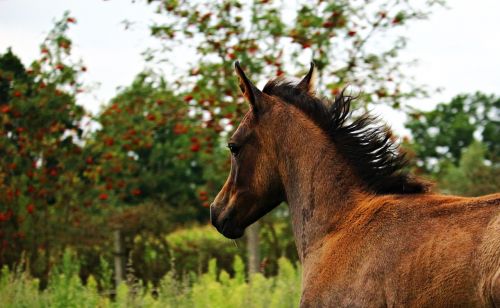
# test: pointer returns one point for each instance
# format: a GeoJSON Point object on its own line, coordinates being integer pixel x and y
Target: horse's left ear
{"type": "Point", "coordinates": [308, 83]}
{"type": "Point", "coordinates": [249, 90]}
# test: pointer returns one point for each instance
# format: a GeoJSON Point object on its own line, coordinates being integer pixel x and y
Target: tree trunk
{"type": "Point", "coordinates": [253, 250]}
{"type": "Point", "coordinates": [119, 256]}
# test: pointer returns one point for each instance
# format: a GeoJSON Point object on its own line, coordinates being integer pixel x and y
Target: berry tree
{"type": "Point", "coordinates": [40, 151]}
{"type": "Point", "coordinates": [270, 37]}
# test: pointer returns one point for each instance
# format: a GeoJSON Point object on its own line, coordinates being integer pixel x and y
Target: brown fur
{"type": "Point", "coordinates": [359, 246]}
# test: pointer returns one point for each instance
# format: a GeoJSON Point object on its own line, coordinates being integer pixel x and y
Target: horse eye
{"type": "Point", "coordinates": [233, 148]}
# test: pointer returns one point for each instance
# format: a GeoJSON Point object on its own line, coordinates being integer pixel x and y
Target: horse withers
{"type": "Point", "coordinates": [367, 233]}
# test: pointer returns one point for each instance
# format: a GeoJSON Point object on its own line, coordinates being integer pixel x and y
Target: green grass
{"type": "Point", "coordinates": [212, 289]}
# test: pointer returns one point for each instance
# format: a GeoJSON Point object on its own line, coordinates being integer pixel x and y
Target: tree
{"type": "Point", "coordinates": [40, 152]}
{"type": "Point", "coordinates": [474, 175]}
{"type": "Point", "coordinates": [338, 36]}
{"type": "Point", "coordinates": [440, 135]}
{"type": "Point", "coordinates": [150, 151]}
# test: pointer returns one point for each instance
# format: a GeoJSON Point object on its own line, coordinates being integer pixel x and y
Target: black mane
{"type": "Point", "coordinates": [368, 145]}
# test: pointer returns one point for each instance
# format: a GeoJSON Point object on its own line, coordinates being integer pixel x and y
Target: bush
{"type": "Point", "coordinates": [216, 288]}
{"type": "Point", "coordinates": [192, 248]}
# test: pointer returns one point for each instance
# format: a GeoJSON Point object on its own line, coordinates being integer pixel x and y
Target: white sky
{"type": "Point", "coordinates": [458, 48]}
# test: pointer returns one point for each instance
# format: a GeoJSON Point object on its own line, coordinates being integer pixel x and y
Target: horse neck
{"type": "Point", "coordinates": [320, 187]}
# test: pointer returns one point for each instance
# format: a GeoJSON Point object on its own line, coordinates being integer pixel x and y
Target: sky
{"type": "Point", "coordinates": [457, 49]}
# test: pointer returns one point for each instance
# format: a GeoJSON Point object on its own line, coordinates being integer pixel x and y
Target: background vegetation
{"type": "Point", "coordinates": [81, 195]}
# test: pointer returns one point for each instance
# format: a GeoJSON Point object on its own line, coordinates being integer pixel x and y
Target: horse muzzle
{"type": "Point", "coordinates": [224, 222]}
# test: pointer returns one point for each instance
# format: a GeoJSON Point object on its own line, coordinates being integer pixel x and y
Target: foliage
{"type": "Point", "coordinates": [215, 288]}
{"type": "Point", "coordinates": [190, 248]}
{"type": "Point", "coordinates": [40, 147]}
{"type": "Point", "coordinates": [441, 134]}
{"type": "Point", "coordinates": [195, 246]}
{"type": "Point", "coordinates": [271, 36]}
{"type": "Point", "coordinates": [475, 175]}
{"type": "Point", "coordinates": [146, 150]}
{"type": "Point", "coordinates": [155, 155]}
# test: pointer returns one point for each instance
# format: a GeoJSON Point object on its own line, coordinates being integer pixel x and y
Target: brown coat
{"type": "Point", "coordinates": [409, 251]}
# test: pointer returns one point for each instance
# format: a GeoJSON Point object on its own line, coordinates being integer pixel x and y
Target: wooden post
{"type": "Point", "coordinates": [253, 250]}
{"type": "Point", "coordinates": [119, 256]}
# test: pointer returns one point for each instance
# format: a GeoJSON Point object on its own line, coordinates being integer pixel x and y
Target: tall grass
{"type": "Point", "coordinates": [216, 288]}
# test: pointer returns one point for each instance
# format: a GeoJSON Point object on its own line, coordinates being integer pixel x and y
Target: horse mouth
{"type": "Point", "coordinates": [225, 224]}
{"type": "Point", "coordinates": [226, 228]}
{"type": "Point", "coordinates": [232, 233]}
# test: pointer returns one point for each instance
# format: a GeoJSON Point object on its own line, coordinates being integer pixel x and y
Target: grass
{"type": "Point", "coordinates": [216, 288]}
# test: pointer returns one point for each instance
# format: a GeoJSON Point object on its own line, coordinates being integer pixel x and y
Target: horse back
{"type": "Point", "coordinates": [420, 251]}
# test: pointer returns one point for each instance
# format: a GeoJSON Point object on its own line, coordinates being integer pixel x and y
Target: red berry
{"type": "Point", "coordinates": [71, 20]}
{"type": "Point", "coordinates": [5, 109]}
{"type": "Point", "coordinates": [103, 196]}
{"type": "Point", "coordinates": [64, 44]}
{"type": "Point", "coordinates": [109, 141]}
{"type": "Point", "coordinates": [351, 33]}
{"type": "Point", "coordinates": [305, 45]}
{"type": "Point", "coordinates": [30, 208]}
{"type": "Point", "coordinates": [151, 117]}
{"type": "Point", "coordinates": [195, 147]}
{"type": "Point", "coordinates": [180, 129]}
{"type": "Point", "coordinates": [187, 98]}
{"type": "Point", "coordinates": [328, 24]}
{"type": "Point", "coordinates": [136, 192]}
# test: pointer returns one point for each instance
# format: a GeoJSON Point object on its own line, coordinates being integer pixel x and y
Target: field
{"type": "Point", "coordinates": [213, 289]}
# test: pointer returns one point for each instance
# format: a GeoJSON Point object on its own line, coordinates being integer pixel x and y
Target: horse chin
{"type": "Point", "coordinates": [234, 233]}
{"type": "Point", "coordinates": [231, 230]}
{"type": "Point", "coordinates": [228, 228]}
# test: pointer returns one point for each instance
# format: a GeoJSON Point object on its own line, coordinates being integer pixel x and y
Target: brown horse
{"type": "Point", "coordinates": [367, 233]}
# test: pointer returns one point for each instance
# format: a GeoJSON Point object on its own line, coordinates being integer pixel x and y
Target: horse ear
{"type": "Point", "coordinates": [308, 83]}
{"type": "Point", "coordinates": [249, 90]}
